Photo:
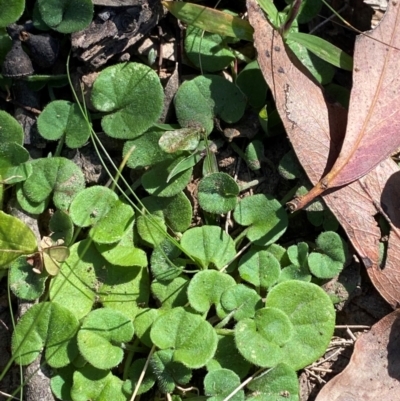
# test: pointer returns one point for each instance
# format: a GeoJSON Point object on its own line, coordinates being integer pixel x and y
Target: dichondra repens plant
{"type": "Point", "coordinates": [133, 283]}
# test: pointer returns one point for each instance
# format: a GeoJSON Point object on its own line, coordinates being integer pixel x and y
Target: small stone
{"type": "Point", "coordinates": [17, 63]}
{"type": "Point", "coordinates": [44, 48]}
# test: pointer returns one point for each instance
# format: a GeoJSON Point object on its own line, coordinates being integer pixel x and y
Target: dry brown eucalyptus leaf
{"type": "Point", "coordinates": [374, 369]}
{"type": "Point", "coordinates": [316, 128]}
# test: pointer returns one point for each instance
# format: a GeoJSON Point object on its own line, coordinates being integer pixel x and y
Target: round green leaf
{"type": "Point", "coordinates": [16, 239]}
{"type": "Point", "coordinates": [94, 384]}
{"type": "Point", "coordinates": [259, 268]}
{"type": "Point", "coordinates": [111, 227]}
{"type": "Point", "coordinates": [61, 117]}
{"type": "Point", "coordinates": [205, 289]}
{"type": "Point", "coordinates": [61, 227]}
{"type": "Point", "coordinates": [90, 205]}
{"type": "Point", "coordinates": [206, 50]}
{"type": "Point", "coordinates": [24, 282]}
{"type": "Point", "coordinates": [169, 372]}
{"type": "Point", "coordinates": [209, 245]}
{"type": "Point", "coordinates": [152, 228]}
{"type": "Point", "coordinates": [13, 166]}
{"type": "Point", "coordinates": [49, 325]}
{"type": "Point", "coordinates": [134, 373]}
{"type": "Point", "coordinates": [218, 384]}
{"type": "Point", "coordinates": [177, 210]}
{"type": "Point", "coordinates": [132, 92]}
{"type": "Point", "coordinates": [192, 339]}
{"type": "Point", "coordinates": [215, 97]}
{"type": "Point", "coordinates": [330, 262]}
{"type": "Point", "coordinates": [66, 16]}
{"type": "Point", "coordinates": [101, 332]}
{"type": "Point", "coordinates": [58, 176]}
{"type": "Point", "coordinates": [125, 290]}
{"type": "Point", "coordinates": [252, 83]}
{"type": "Point", "coordinates": [312, 315]}
{"type": "Point", "coordinates": [124, 252]}
{"type": "Point", "coordinates": [217, 193]}
{"type": "Point", "coordinates": [227, 356]}
{"type": "Point", "coordinates": [171, 294]}
{"type": "Point", "coordinates": [289, 167]}
{"type": "Point", "coordinates": [142, 324]}
{"type": "Point", "coordinates": [261, 340]}
{"type": "Point", "coordinates": [146, 151]}
{"type": "Point", "coordinates": [164, 262]}
{"type": "Point", "coordinates": [241, 300]}
{"type": "Point", "coordinates": [155, 182]}
{"type": "Point", "coordinates": [74, 288]}
{"type": "Point", "coordinates": [10, 129]}
{"type": "Point", "coordinates": [266, 217]}
{"type": "Point", "coordinates": [278, 383]}
{"type": "Point", "coordinates": [10, 11]}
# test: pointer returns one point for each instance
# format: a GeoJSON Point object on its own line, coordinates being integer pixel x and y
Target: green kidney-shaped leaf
{"type": "Point", "coordinates": [58, 176]}
{"type": "Point", "coordinates": [205, 289]}
{"type": "Point", "coordinates": [260, 268]}
{"type": "Point", "coordinates": [66, 16]}
{"type": "Point", "coordinates": [252, 83]}
{"type": "Point", "coordinates": [16, 239]}
{"type": "Point", "coordinates": [100, 336]}
{"type": "Point", "coordinates": [10, 129]}
{"type": "Point", "coordinates": [132, 92]}
{"type": "Point", "coordinates": [171, 294]}
{"type": "Point", "coordinates": [330, 262]}
{"type": "Point", "coordinates": [260, 340]}
{"type": "Point", "coordinates": [94, 384]}
{"type": "Point", "coordinates": [164, 262]}
{"type": "Point", "coordinates": [266, 217]}
{"type": "Point", "coordinates": [217, 193]}
{"type": "Point", "coordinates": [142, 324]}
{"type": "Point", "coordinates": [124, 252]}
{"type": "Point", "coordinates": [134, 375]}
{"type": "Point", "coordinates": [278, 383]}
{"type": "Point", "coordinates": [112, 226]}
{"type": "Point", "coordinates": [145, 151]}
{"type": "Point", "coordinates": [24, 282]}
{"type": "Point", "coordinates": [192, 339]}
{"type": "Point", "coordinates": [13, 163]}
{"type": "Point", "coordinates": [74, 288]}
{"type": "Point", "coordinates": [90, 205]}
{"type": "Point", "coordinates": [169, 372]}
{"type": "Point", "coordinates": [241, 300]}
{"type": "Point", "coordinates": [49, 325]}
{"type": "Point", "coordinates": [218, 384]}
{"type": "Point", "coordinates": [61, 227]}
{"type": "Point", "coordinates": [209, 245]}
{"type": "Point", "coordinates": [227, 356]}
{"type": "Point", "coordinates": [10, 11]}
{"type": "Point", "coordinates": [176, 210]}
{"type": "Point", "coordinates": [215, 97]}
{"type": "Point", "coordinates": [61, 117]}
{"type": "Point", "coordinates": [312, 315]}
{"type": "Point", "coordinates": [125, 290]}
{"type": "Point", "coordinates": [207, 51]}
{"type": "Point", "coordinates": [155, 181]}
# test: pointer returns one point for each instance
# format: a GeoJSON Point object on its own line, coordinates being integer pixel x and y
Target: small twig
{"type": "Point", "coordinates": [353, 327]}
{"type": "Point", "coordinates": [352, 336]}
{"type": "Point", "coordinates": [311, 373]}
{"type": "Point", "coordinates": [8, 395]}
